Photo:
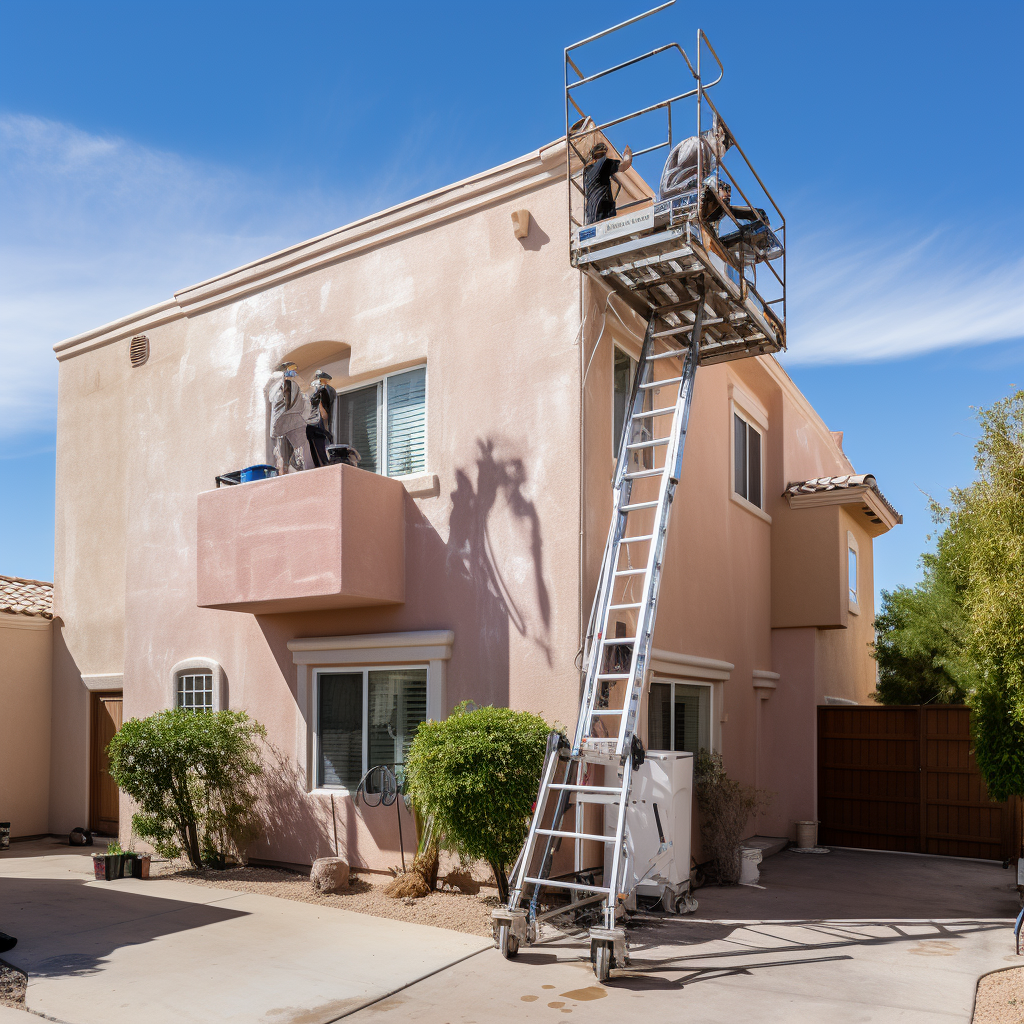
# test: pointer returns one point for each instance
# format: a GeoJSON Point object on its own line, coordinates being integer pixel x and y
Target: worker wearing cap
{"type": "Point", "coordinates": [290, 411]}
{"type": "Point", "coordinates": [597, 182]}
{"type": "Point", "coordinates": [318, 431]}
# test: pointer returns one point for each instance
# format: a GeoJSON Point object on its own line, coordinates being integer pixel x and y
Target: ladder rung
{"type": "Point", "coordinates": [575, 835]}
{"type": "Point", "coordinates": [637, 505]}
{"type": "Point", "coordinates": [654, 412]}
{"type": "Point", "coordinates": [676, 353]}
{"type": "Point", "coordinates": [575, 787]}
{"type": "Point", "coordinates": [635, 604]}
{"type": "Point", "coordinates": [575, 886]}
{"type": "Point", "coordinates": [613, 675]}
{"type": "Point", "coordinates": [630, 572]}
{"type": "Point", "coordinates": [636, 540]}
{"type": "Point", "coordinates": [648, 444]}
{"type": "Point", "coordinates": [607, 711]}
{"type": "Point", "coordinates": [674, 330]}
{"type": "Point", "coordinates": [620, 640]}
{"type": "Point", "coordinates": [645, 472]}
{"type": "Point", "coordinates": [660, 383]}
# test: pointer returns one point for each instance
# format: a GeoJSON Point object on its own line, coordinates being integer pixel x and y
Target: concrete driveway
{"type": "Point", "coordinates": [839, 938]}
{"type": "Point", "coordinates": [158, 950]}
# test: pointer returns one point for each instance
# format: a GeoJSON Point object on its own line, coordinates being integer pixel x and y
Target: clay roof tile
{"type": "Point", "coordinates": [26, 597]}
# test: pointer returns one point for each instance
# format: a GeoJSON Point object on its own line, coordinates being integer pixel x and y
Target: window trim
{"type": "Point", "coordinates": [852, 603]}
{"type": "Point", "coordinates": [366, 669]}
{"type": "Point", "coordinates": [382, 416]}
{"type": "Point", "coordinates": [680, 681]}
{"type": "Point", "coordinates": [740, 404]}
{"type": "Point", "coordinates": [193, 666]}
{"type": "Point", "coordinates": [633, 365]}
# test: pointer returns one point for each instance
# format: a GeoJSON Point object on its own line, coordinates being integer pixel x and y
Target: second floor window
{"type": "Point", "coordinates": [195, 691]}
{"type": "Point", "coordinates": [623, 370]}
{"type": "Point", "coordinates": [386, 423]}
{"type": "Point", "coordinates": [747, 461]}
{"type": "Point", "coordinates": [852, 573]}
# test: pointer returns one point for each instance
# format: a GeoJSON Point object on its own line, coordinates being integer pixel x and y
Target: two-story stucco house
{"type": "Point", "coordinates": [482, 379]}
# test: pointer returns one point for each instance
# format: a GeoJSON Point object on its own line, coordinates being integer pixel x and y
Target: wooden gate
{"type": "Point", "coordinates": [904, 778]}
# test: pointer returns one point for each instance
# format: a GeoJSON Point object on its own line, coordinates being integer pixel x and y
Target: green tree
{"type": "Point", "coordinates": [194, 777]}
{"type": "Point", "coordinates": [476, 773]}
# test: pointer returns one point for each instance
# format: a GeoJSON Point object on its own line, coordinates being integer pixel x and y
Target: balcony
{"type": "Point", "coordinates": [325, 538]}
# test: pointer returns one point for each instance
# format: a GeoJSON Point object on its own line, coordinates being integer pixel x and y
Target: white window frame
{"type": "Point", "coordinates": [382, 416]}
{"type": "Point", "coordinates": [352, 670]}
{"type": "Point", "coordinates": [633, 365]}
{"type": "Point", "coordinates": [751, 412]}
{"type": "Point", "coordinates": [672, 698]}
{"type": "Point", "coordinates": [852, 593]}
{"type": "Point", "coordinates": [201, 666]}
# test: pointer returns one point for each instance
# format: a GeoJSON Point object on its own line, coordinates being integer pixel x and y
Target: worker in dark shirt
{"type": "Point", "coordinates": [318, 433]}
{"type": "Point", "coordinates": [597, 182]}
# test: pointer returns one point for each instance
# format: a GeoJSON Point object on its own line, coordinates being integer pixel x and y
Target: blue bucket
{"type": "Point", "coordinates": [251, 473]}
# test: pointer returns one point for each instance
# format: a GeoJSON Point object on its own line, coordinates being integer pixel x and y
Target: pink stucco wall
{"type": "Point", "coordinates": [503, 550]}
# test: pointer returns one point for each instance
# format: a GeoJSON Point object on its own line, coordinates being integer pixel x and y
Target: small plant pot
{"type": "Point", "coordinates": [806, 835]}
{"type": "Point", "coordinates": [113, 866]}
{"type": "Point", "coordinates": [99, 867]}
{"type": "Point", "coordinates": [136, 865]}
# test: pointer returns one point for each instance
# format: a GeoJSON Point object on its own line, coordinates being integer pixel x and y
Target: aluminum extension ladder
{"type": "Point", "coordinates": [646, 475]}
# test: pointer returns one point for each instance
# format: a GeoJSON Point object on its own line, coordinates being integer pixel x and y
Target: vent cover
{"type": "Point", "coordinates": [140, 349]}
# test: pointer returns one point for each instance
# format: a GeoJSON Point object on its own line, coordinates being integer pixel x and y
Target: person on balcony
{"type": "Point", "coordinates": [599, 203]}
{"type": "Point", "coordinates": [680, 172]}
{"type": "Point", "coordinates": [290, 412]}
{"type": "Point", "coordinates": [318, 432]}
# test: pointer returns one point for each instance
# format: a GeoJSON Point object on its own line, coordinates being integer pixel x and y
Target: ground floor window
{"type": "Point", "coordinates": [679, 716]}
{"type": "Point", "coordinates": [195, 691]}
{"type": "Point", "coordinates": [366, 717]}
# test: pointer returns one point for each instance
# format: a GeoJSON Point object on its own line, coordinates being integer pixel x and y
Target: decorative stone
{"type": "Point", "coordinates": [329, 874]}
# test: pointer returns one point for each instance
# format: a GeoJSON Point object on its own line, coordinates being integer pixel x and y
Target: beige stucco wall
{"type": "Point", "coordinates": [493, 552]}
{"type": "Point", "coordinates": [25, 697]}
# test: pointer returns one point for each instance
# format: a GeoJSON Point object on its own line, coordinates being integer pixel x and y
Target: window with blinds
{"type": "Point", "coordinates": [386, 423]}
{"type": "Point", "coordinates": [366, 718]}
{"type": "Point", "coordinates": [679, 717]}
{"type": "Point", "coordinates": [746, 461]}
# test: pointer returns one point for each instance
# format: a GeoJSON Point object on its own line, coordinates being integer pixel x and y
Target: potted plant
{"type": "Point", "coordinates": [113, 861]}
{"type": "Point", "coordinates": [136, 865]}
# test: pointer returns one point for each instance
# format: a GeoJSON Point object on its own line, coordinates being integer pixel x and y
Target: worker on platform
{"type": "Point", "coordinates": [680, 173]}
{"type": "Point", "coordinates": [597, 182]}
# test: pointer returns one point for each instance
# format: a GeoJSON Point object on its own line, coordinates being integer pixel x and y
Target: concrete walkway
{"type": "Point", "coordinates": [840, 938]}
{"type": "Point", "coordinates": [157, 950]}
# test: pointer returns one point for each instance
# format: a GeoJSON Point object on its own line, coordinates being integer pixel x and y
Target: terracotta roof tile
{"type": "Point", "coordinates": [835, 483]}
{"type": "Point", "coordinates": [26, 597]}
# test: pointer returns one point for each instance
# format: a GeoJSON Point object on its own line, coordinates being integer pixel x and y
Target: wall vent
{"type": "Point", "coordinates": [139, 351]}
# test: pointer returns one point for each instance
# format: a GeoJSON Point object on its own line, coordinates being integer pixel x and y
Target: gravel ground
{"type": "Point", "coordinates": [13, 984]}
{"type": "Point", "coordinates": [460, 912]}
{"type": "Point", "coordinates": [1001, 998]}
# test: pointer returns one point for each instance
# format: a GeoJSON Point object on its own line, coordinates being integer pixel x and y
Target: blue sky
{"type": "Point", "coordinates": [147, 146]}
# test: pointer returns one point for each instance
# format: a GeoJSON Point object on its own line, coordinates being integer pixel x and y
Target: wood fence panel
{"type": "Point", "coordinates": [904, 778]}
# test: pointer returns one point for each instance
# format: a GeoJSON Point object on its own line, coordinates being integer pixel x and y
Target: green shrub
{"type": "Point", "coordinates": [725, 808]}
{"type": "Point", "coordinates": [193, 775]}
{"type": "Point", "coordinates": [477, 774]}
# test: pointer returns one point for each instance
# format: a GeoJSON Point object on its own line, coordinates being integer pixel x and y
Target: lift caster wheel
{"type": "Point", "coordinates": [602, 963]}
{"type": "Point", "coordinates": [507, 942]}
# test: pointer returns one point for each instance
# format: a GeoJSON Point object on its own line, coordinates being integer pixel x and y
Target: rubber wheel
{"type": "Point", "coordinates": [602, 962]}
{"type": "Point", "coordinates": [507, 942]}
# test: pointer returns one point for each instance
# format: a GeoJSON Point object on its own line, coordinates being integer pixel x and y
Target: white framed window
{"type": "Point", "coordinates": [364, 717]}
{"type": "Point", "coordinates": [679, 716]}
{"type": "Point", "coordinates": [747, 460]}
{"type": "Point", "coordinates": [194, 691]}
{"type": "Point", "coordinates": [386, 422]}
{"type": "Point", "coordinates": [623, 372]}
{"type": "Point", "coordinates": [852, 573]}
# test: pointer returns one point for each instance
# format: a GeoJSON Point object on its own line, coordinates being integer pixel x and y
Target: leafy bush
{"type": "Point", "coordinates": [725, 808]}
{"type": "Point", "coordinates": [194, 777]}
{"type": "Point", "coordinates": [476, 773]}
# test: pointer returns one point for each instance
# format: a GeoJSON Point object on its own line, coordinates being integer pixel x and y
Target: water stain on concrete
{"type": "Point", "coordinates": [313, 1015]}
{"type": "Point", "coordinates": [547, 986]}
{"type": "Point", "coordinates": [556, 1005]}
{"type": "Point", "coordinates": [529, 999]}
{"type": "Point", "coordinates": [934, 947]}
{"type": "Point", "coordinates": [584, 995]}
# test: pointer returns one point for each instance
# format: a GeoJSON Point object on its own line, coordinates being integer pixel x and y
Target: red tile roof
{"type": "Point", "coordinates": [26, 597]}
{"type": "Point", "coordinates": [835, 483]}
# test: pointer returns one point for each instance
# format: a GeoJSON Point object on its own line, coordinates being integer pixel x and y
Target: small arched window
{"type": "Point", "coordinates": [197, 684]}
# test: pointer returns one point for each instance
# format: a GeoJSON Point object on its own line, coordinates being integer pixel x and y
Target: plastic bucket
{"type": "Point", "coordinates": [750, 858]}
{"type": "Point", "coordinates": [806, 834]}
{"type": "Point", "coordinates": [251, 473]}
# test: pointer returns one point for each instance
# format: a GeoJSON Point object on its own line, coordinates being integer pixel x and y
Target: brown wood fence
{"type": "Point", "coordinates": [904, 778]}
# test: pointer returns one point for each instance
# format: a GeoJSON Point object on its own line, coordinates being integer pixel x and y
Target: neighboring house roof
{"type": "Point", "coordinates": [827, 490]}
{"type": "Point", "coordinates": [26, 597]}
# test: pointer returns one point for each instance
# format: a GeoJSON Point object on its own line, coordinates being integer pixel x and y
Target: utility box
{"type": "Point", "coordinates": [664, 779]}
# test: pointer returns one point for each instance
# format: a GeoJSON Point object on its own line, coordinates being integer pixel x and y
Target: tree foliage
{"type": "Point", "coordinates": [967, 618]}
{"type": "Point", "coordinates": [476, 773]}
{"type": "Point", "coordinates": [193, 775]}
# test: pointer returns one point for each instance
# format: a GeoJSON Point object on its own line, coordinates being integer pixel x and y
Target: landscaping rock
{"type": "Point", "coordinates": [409, 884]}
{"type": "Point", "coordinates": [329, 874]}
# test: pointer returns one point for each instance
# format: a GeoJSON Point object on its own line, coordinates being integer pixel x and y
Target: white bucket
{"type": "Point", "coordinates": [749, 860]}
{"type": "Point", "coordinates": [806, 834]}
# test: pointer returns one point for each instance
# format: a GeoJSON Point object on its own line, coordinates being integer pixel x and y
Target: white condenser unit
{"type": "Point", "coordinates": [657, 860]}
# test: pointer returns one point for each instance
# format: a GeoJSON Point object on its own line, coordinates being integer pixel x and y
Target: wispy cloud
{"type": "Point", "coordinates": [95, 228]}
{"type": "Point", "coordinates": [851, 302]}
